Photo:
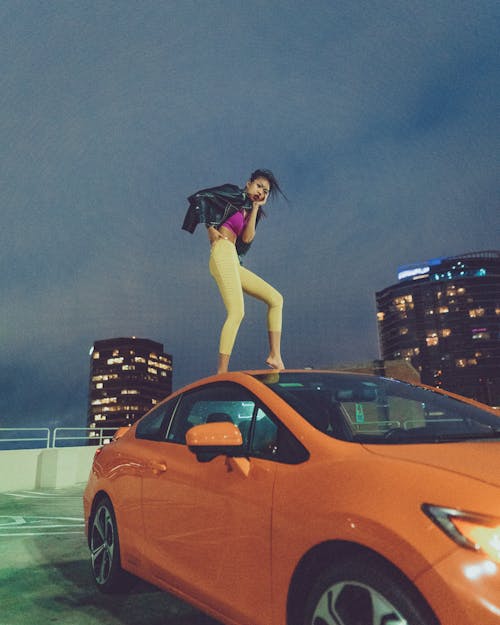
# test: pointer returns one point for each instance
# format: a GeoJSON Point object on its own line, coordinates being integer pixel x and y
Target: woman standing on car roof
{"type": "Point", "coordinates": [231, 215]}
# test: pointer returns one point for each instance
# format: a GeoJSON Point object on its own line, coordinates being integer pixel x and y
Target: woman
{"type": "Point", "coordinates": [231, 215]}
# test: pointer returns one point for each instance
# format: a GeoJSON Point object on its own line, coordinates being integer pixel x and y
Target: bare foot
{"type": "Point", "coordinates": [275, 362]}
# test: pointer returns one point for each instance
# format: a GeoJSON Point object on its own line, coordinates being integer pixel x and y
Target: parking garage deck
{"type": "Point", "coordinates": [45, 575]}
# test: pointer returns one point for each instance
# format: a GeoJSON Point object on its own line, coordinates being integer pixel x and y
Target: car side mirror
{"type": "Point", "coordinates": [210, 440]}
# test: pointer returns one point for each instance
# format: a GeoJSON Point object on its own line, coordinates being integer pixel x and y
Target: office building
{"type": "Point", "coordinates": [443, 316]}
{"type": "Point", "coordinates": [128, 376]}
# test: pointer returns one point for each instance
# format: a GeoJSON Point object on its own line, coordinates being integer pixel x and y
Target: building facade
{"type": "Point", "coordinates": [128, 376]}
{"type": "Point", "coordinates": [443, 316]}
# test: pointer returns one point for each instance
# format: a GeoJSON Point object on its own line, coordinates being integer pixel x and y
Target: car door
{"type": "Point", "coordinates": [208, 524]}
{"type": "Point", "coordinates": [132, 461]}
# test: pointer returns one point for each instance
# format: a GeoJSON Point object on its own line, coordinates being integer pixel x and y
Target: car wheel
{"type": "Point", "coordinates": [105, 550]}
{"type": "Point", "coordinates": [364, 592]}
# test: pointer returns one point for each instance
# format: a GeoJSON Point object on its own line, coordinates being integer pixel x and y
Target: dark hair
{"type": "Point", "coordinates": [274, 187]}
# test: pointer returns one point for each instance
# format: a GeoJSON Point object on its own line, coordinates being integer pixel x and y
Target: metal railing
{"type": "Point", "coordinates": [95, 436]}
{"type": "Point", "coordinates": [55, 438]}
{"type": "Point", "coordinates": [45, 438]}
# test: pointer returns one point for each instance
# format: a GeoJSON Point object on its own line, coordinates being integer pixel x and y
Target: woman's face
{"type": "Point", "coordinates": [258, 189]}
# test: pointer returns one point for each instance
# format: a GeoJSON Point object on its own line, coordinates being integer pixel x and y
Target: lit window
{"type": "Point", "coordinates": [407, 353]}
{"type": "Point", "coordinates": [380, 316]}
{"type": "Point", "coordinates": [140, 359]}
{"type": "Point", "coordinates": [481, 335]}
{"type": "Point", "coordinates": [465, 362]}
{"type": "Point", "coordinates": [99, 385]}
{"type": "Point", "coordinates": [128, 368]}
{"type": "Point", "coordinates": [445, 332]}
{"type": "Point", "coordinates": [109, 376]}
{"type": "Point", "coordinates": [130, 392]}
{"type": "Point", "coordinates": [403, 331]}
{"type": "Point", "coordinates": [96, 355]}
{"type": "Point", "coordinates": [152, 370]}
{"type": "Point", "coordinates": [115, 361]}
{"type": "Point", "coordinates": [443, 309]}
{"type": "Point", "coordinates": [476, 312]}
{"type": "Point", "coordinates": [432, 339]}
{"type": "Point", "coordinates": [104, 401]}
{"type": "Point", "coordinates": [116, 352]}
{"type": "Point", "coordinates": [461, 290]}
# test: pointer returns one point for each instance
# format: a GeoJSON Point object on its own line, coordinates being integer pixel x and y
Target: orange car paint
{"type": "Point", "coordinates": [256, 516]}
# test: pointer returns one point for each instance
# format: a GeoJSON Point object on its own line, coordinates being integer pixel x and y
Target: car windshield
{"type": "Point", "coordinates": [369, 409]}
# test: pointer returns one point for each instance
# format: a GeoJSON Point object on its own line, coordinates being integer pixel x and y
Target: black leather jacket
{"type": "Point", "coordinates": [213, 206]}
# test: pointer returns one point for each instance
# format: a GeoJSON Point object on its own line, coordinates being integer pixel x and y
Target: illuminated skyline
{"type": "Point", "coordinates": [379, 119]}
{"type": "Point", "coordinates": [444, 317]}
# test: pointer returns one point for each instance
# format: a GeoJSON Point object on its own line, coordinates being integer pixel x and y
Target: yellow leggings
{"type": "Point", "coordinates": [232, 279]}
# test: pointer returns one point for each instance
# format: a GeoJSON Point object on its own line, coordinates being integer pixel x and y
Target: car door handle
{"type": "Point", "coordinates": [158, 467]}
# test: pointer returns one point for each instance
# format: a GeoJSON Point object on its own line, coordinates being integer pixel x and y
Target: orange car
{"type": "Point", "coordinates": [305, 498]}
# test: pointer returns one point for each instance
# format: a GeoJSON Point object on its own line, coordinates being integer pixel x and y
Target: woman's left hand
{"type": "Point", "coordinates": [256, 204]}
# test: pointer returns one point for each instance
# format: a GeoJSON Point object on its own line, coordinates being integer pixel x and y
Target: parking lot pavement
{"type": "Point", "coordinates": [45, 574]}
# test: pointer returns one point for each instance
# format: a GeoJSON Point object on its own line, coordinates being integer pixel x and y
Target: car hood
{"type": "Point", "coordinates": [479, 460]}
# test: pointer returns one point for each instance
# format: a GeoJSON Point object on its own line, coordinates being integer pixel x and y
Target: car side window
{"type": "Point", "coordinates": [263, 435]}
{"type": "Point", "coordinates": [217, 402]}
{"type": "Point", "coordinates": [271, 440]}
{"type": "Point", "coordinates": [153, 425]}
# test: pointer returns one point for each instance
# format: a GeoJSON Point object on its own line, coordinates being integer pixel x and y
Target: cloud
{"type": "Point", "coordinates": [378, 118]}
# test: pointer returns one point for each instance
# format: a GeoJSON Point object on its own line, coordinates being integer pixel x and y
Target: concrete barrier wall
{"type": "Point", "coordinates": [26, 469]}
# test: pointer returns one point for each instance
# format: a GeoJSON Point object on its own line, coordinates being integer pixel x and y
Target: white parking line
{"type": "Point", "coordinates": [35, 495]}
{"type": "Point", "coordinates": [39, 520]}
{"type": "Point", "coordinates": [18, 525]}
{"type": "Point", "coordinates": [40, 533]}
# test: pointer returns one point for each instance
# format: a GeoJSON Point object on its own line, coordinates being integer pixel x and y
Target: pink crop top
{"type": "Point", "coordinates": [236, 223]}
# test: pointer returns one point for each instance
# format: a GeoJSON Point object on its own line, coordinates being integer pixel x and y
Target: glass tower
{"type": "Point", "coordinates": [128, 376]}
{"type": "Point", "coordinates": [443, 315]}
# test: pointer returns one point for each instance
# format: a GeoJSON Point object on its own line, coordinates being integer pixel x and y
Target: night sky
{"type": "Point", "coordinates": [380, 120]}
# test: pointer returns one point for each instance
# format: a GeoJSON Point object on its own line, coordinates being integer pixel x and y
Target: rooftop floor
{"type": "Point", "coordinates": [45, 574]}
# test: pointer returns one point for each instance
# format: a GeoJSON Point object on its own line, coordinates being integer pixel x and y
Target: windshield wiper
{"type": "Point", "coordinates": [463, 436]}
{"type": "Point", "coordinates": [397, 436]}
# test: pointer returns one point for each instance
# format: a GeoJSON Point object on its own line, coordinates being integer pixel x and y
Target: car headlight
{"type": "Point", "coordinates": [469, 530]}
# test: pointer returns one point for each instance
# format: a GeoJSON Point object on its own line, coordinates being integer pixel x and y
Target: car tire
{"type": "Point", "coordinates": [104, 547]}
{"type": "Point", "coordinates": [365, 591]}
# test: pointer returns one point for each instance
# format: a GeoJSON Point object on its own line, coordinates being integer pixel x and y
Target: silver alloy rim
{"type": "Point", "coordinates": [353, 603]}
{"type": "Point", "coordinates": [102, 544]}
